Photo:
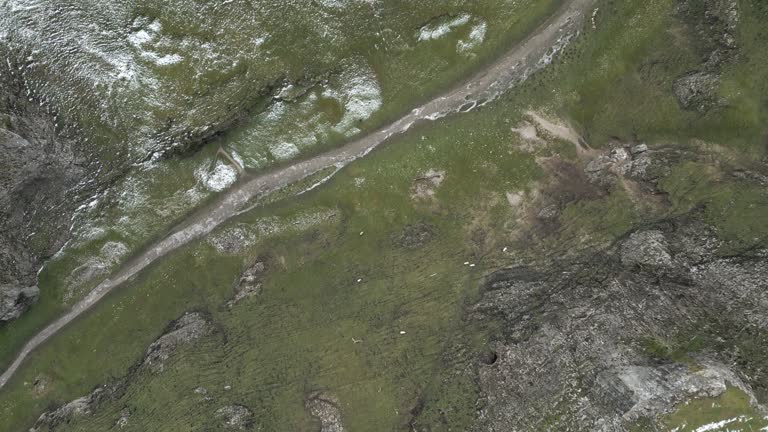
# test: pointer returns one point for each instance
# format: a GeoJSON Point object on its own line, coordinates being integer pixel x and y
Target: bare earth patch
{"type": "Point", "coordinates": [424, 185]}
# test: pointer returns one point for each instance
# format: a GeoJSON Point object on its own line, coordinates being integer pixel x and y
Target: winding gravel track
{"type": "Point", "coordinates": [530, 55]}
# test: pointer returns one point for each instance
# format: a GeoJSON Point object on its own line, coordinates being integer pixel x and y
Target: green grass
{"type": "Point", "coordinates": [633, 58]}
{"type": "Point", "coordinates": [733, 404]}
{"type": "Point", "coordinates": [601, 219]}
{"type": "Point", "coordinates": [736, 208]}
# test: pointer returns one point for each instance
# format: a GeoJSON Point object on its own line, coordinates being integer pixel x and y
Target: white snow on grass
{"type": "Point", "coordinates": [111, 254]}
{"type": "Point", "coordinates": [276, 111]}
{"type": "Point", "coordinates": [360, 95]}
{"type": "Point", "coordinates": [475, 38]}
{"type": "Point", "coordinates": [442, 27]}
{"type": "Point", "coordinates": [143, 40]}
{"type": "Point", "coordinates": [221, 177]}
{"type": "Point", "coordinates": [283, 150]}
{"type": "Point", "coordinates": [140, 38]}
{"type": "Point", "coordinates": [165, 60]}
{"type": "Point", "coordinates": [332, 3]}
{"type": "Point", "coordinates": [338, 4]}
{"type": "Point", "coordinates": [720, 424]}
{"type": "Point", "coordinates": [236, 239]}
{"type": "Point", "coordinates": [310, 115]}
{"type": "Point", "coordinates": [113, 251]}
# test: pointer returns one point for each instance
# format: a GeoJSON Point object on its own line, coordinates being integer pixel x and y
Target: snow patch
{"type": "Point", "coordinates": [140, 38]}
{"type": "Point", "coordinates": [338, 4]}
{"type": "Point", "coordinates": [475, 38]}
{"type": "Point", "coordinates": [361, 96]}
{"type": "Point", "coordinates": [283, 151]}
{"type": "Point", "coordinates": [719, 425]}
{"type": "Point", "coordinates": [144, 37]}
{"type": "Point", "coordinates": [236, 239]}
{"type": "Point", "coordinates": [110, 255]}
{"type": "Point", "coordinates": [442, 27]}
{"type": "Point", "coordinates": [221, 177]}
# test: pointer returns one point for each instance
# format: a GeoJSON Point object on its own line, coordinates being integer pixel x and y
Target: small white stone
{"type": "Point", "coordinates": [402, 332]}
{"type": "Point", "coordinates": [466, 262]}
{"type": "Point", "coordinates": [505, 249]}
{"type": "Point", "coordinates": [227, 387]}
{"type": "Point", "coordinates": [362, 232]}
{"type": "Point", "coordinates": [359, 280]}
{"type": "Point", "coordinates": [471, 265]}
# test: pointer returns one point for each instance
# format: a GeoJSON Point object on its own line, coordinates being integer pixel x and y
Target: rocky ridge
{"type": "Point", "coordinates": [187, 329]}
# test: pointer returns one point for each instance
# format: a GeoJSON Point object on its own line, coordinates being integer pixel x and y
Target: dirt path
{"type": "Point", "coordinates": [530, 55]}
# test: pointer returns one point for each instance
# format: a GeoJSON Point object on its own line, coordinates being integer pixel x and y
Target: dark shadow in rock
{"type": "Point", "coordinates": [488, 357]}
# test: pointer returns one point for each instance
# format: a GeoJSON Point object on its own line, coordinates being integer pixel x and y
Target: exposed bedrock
{"type": "Point", "coordinates": [41, 185]}
{"type": "Point", "coordinates": [579, 342]}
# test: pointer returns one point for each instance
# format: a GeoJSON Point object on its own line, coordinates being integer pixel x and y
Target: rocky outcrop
{"type": "Point", "coordinates": [573, 352]}
{"type": "Point", "coordinates": [713, 27]}
{"type": "Point", "coordinates": [190, 327]}
{"type": "Point", "coordinates": [646, 248]}
{"type": "Point", "coordinates": [80, 407]}
{"type": "Point", "coordinates": [697, 91]}
{"type": "Point", "coordinates": [249, 284]}
{"type": "Point", "coordinates": [325, 408]}
{"type": "Point", "coordinates": [14, 300]}
{"type": "Point", "coordinates": [235, 417]}
{"type": "Point", "coordinates": [645, 391]}
{"type": "Point", "coordinates": [40, 188]}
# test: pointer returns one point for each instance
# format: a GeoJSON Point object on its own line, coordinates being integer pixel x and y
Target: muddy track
{"type": "Point", "coordinates": [514, 67]}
